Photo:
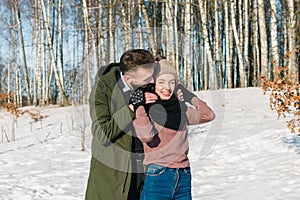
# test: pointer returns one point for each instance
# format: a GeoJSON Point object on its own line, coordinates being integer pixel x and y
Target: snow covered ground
{"type": "Point", "coordinates": [245, 153]}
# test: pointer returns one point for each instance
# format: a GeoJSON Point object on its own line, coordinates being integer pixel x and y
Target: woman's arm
{"type": "Point", "coordinates": [142, 125]}
{"type": "Point", "coordinates": [201, 113]}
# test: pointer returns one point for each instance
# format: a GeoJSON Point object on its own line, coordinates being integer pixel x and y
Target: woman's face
{"type": "Point", "coordinates": [165, 85]}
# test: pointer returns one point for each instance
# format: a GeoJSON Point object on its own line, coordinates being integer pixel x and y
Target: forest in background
{"type": "Point", "coordinates": [50, 50]}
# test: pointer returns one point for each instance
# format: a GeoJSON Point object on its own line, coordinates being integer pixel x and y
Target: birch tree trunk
{"type": "Point", "coordinates": [9, 67]}
{"type": "Point", "coordinates": [228, 35]}
{"type": "Point", "coordinates": [256, 54]}
{"type": "Point", "coordinates": [111, 28]}
{"type": "Point", "coordinates": [170, 32]}
{"type": "Point", "coordinates": [148, 27]}
{"type": "Point", "coordinates": [246, 41]}
{"type": "Point", "coordinates": [49, 71]}
{"type": "Point", "coordinates": [61, 54]}
{"type": "Point", "coordinates": [37, 85]}
{"type": "Point", "coordinates": [18, 21]}
{"type": "Point", "coordinates": [139, 29]}
{"type": "Point", "coordinates": [43, 68]}
{"type": "Point", "coordinates": [274, 37]}
{"type": "Point", "coordinates": [263, 39]}
{"type": "Point", "coordinates": [126, 20]}
{"type": "Point", "coordinates": [88, 59]}
{"type": "Point", "coordinates": [100, 35]}
{"type": "Point", "coordinates": [211, 80]}
{"type": "Point", "coordinates": [291, 33]}
{"type": "Point", "coordinates": [18, 93]}
{"type": "Point", "coordinates": [176, 32]}
{"type": "Point", "coordinates": [64, 100]}
{"type": "Point", "coordinates": [187, 45]}
{"type": "Point", "coordinates": [217, 45]}
{"type": "Point", "coordinates": [37, 74]}
{"type": "Point", "coordinates": [238, 46]}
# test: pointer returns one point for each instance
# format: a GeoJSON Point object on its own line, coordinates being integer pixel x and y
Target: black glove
{"type": "Point", "coordinates": [187, 95]}
{"type": "Point", "coordinates": [137, 98]}
{"type": "Point", "coordinates": [149, 88]}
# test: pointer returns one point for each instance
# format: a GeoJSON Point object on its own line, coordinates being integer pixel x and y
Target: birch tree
{"type": "Point", "coordinates": [18, 20]}
{"type": "Point", "coordinates": [126, 21]}
{"type": "Point", "coordinates": [175, 38]}
{"type": "Point", "coordinates": [274, 38]}
{"type": "Point", "coordinates": [64, 99]}
{"type": "Point", "coordinates": [228, 37]}
{"type": "Point", "coordinates": [36, 34]}
{"type": "Point", "coordinates": [169, 30]}
{"type": "Point", "coordinates": [187, 45]}
{"type": "Point", "coordinates": [291, 38]}
{"type": "Point", "coordinates": [255, 41]}
{"type": "Point", "coordinates": [100, 42]}
{"type": "Point", "coordinates": [246, 40]}
{"type": "Point", "coordinates": [263, 38]}
{"type": "Point", "coordinates": [238, 46]}
{"type": "Point", "coordinates": [149, 26]}
{"type": "Point", "coordinates": [111, 31]}
{"type": "Point", "coordinates": [207, 49]}
{"type": "Point", "coordinates": [88, 60]}
{"type": "Point", "coordinates": [217, 46]}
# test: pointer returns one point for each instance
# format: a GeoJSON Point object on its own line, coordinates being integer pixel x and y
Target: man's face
{"type": "Point", "coordinates": [139, 78]}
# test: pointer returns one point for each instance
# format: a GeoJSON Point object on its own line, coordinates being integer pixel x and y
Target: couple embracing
{"type": "Point", "coordinates": [140, 113]}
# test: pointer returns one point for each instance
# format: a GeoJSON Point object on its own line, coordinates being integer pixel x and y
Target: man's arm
{"type": "Point", "coordinates": [106, 125]}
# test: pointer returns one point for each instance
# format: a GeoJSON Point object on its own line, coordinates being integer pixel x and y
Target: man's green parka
{"type": "Point", "coordinates": [110, 170]}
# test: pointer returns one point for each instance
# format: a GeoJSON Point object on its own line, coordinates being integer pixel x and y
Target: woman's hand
{"type": "Point", "coordinates": [180, 95]}
{"type": "Point", "coordinates": [150, 97]}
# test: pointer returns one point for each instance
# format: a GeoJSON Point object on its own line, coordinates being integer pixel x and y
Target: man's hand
{"type": "Point", "coordinates": [136, 99]}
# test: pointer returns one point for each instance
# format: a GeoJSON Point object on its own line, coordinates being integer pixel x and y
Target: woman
{"type": "Point", "coordinates": [162, 127]}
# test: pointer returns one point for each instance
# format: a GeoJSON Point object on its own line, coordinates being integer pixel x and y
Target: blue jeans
{"type": "Point", "coordinates": [163, 183]}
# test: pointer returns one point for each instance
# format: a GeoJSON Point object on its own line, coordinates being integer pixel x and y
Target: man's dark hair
{"type": "Point", "coordinates": [134, 58]}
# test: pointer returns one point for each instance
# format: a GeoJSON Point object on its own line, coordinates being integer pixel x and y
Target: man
{"type": "Point", "coordinates": [116, 171]}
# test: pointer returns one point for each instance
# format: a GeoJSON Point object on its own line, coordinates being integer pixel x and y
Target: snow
{"type": "Point", "coordinates": [245, 153]}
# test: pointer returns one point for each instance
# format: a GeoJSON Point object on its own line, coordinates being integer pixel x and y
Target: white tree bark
{"type": "Point", "coordinates": [256, 55]}
{"type": "Point", "coordinates": [217, 45]}
{"type": "Point", "coordinates": [274, 37]}
{"type": "Point", "coordinates": [238, 46]}
{"type": "Point", "coordinates": [9, 69]}
{"type": "Point", "coordinates": [37, 85]}
{"type": "Point", "coordinates": [111, 31]}
{"type": "Point", "coordinates": [228, 34]}
{"type": "Point", "coordinates": [64, 100]}
{"type": "Point", "coordinates": [187, 45]}
{"type": "Point", "coordinates": [291, 33]}
{"type": "Point", "coordinates": [139, 29]}
{"type": "Point", "coordinates": [126, 21]}
{"type": "Point", "coordinates": [176, 38]}
{"type": "Point", "coordinates": [149, 27]}
{"type": "Point", "coordinates": [18, 21]}
{"type": "Point", "coordinates": [100, 47]}
{"type": "Point", "coordinates": [211, 80]}
{"type": "Point", "coordinates": [246, 40]}
{"type": "Point", "coordinates": [170, 31]}
{"type": "Point", "coordinates": [263, 38]}
{"type": "Point", "coordinates": [88, 59]}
